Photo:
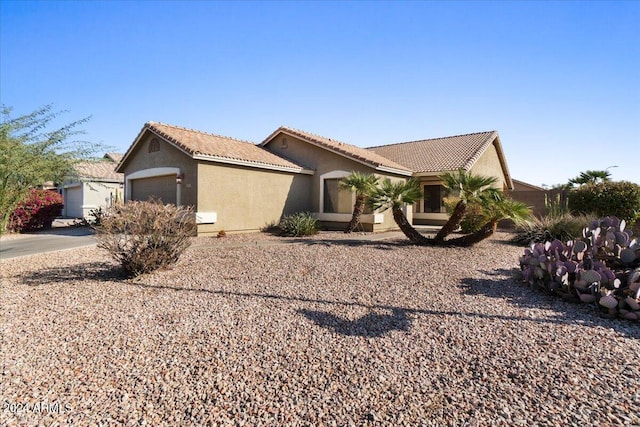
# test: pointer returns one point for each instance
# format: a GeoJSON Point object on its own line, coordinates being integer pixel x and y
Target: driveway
{"type": "Point", "coordinates": [45, 241]}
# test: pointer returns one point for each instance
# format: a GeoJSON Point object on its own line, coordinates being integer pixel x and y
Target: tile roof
{"type": "Point", "coordinates": [525, 186]}
{"type": "Point", "coordinates": [114, 157]}
{"type": "Point", "coordinates": [215, 147]}
{"type": "Point", "coordinates": [98, 171]}
{"type": "Point", "coordinates": [438, 154]}
{"type": "Point", "coordinates": [357, 153]}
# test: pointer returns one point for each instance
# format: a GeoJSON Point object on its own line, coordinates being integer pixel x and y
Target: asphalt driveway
{"type": "Point", "coordinates": [51, 240]}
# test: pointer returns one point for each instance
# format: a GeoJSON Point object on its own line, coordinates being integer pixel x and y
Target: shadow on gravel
{"type": "Point", "coordinates": [386, 244]}
{"type": "Point", "coordinates": [325, 319]}
{"type": "Point", "coordinates": [98, 271]}
{"type": "Point", "coordinates": [502, 286]}
{"type": "Point", "coordinates": [373, 325]}
{"type": "Point", "coordinates": [505, 287]}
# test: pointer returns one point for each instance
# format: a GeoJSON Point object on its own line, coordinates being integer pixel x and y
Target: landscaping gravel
{"type": "Point", "coordinates": [247, 331]}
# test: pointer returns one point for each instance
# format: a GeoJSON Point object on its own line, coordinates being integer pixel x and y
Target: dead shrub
{"type": "Point", "coordinates": [145, 236]}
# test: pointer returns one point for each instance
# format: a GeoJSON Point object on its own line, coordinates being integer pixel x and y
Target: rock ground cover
{"type": "Point", "coordinates": [323, 332]}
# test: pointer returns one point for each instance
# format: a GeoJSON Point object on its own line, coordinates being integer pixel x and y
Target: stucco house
{"type": "Point", "coordinates": [535, 196]}
{"type": "Point", "coordinates": [94, 184]}
{"type": "Point", "coordinates": [479, 153]}
{"type": "Point", "coordinates": [239, 186]}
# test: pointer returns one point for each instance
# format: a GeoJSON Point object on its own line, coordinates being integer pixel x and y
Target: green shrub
{"type": "Point", "coordinates": [271, 227]}
{"type": "Point", "coordinates": [145, 236]}
{"type": "Point", "coordinates": [299, 224]}
{"type": "Point", "coordinates": [609, 198]}
{"type": "Point", "coordinates": [556, 208]}
{"type": "Point", "coordinates": [38, 210]}
{"type": "Point", "coordinates": [561, 227]}
{"type": "Point", "coordinates": [473, 219]}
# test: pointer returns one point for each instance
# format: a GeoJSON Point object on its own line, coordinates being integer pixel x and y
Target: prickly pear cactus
{"type": "Point", "coordinates": [602, 268]}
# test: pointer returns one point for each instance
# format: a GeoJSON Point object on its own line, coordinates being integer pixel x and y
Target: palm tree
{"type": "Point", "coordinates": [591, 177]}
{"type": "Point", "coordinates": [394, 195]}
{"type": "Point", "coordinates": [468, 188]}
{"type": "Point", "coordinates": [494, 210]}
{"type": "Point", "coordinates": [362, 184]}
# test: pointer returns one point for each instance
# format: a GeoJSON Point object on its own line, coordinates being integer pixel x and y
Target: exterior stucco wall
{"type": "Point", "coordinates": [246, 199]}
{"type": "Point", "coordinates": [389, 223]}
{"type": "Point", "coordinates": [489, 165]}
{"type": "Point", "coordinates": [100, 195]}
{"type": "Point", "coordinates": [89, 195]}
{"type": "Point", "coordinates": [167, 156]}
{"type": "Point", "coordinates": [323, 162]}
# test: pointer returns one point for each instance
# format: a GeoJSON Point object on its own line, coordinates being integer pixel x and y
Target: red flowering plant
{"type": "Point", "coordinates": [37, 210]}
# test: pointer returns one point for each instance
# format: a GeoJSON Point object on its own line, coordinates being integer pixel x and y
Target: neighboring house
{"type": "Point", "coordinates": [239, 186]}
{"type": "Point", "coordinates": [535, 196]}
{"type": "Point", "coordinates": [94, 184]}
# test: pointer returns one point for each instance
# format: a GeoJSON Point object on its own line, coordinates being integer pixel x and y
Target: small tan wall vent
{"type": "Point", "coordinates": [154, 145]}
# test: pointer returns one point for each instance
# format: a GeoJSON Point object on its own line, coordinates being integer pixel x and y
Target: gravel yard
{"type": "Point", "coordinates": [248, 331]}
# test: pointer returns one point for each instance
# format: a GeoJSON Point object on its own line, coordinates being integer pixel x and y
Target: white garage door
{"type": "Point", "coordinates": [73, 202]}
{"type": "Point", "coordinates": [162, 187]}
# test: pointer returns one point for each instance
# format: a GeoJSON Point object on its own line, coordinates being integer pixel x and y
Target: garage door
{"type": "Point", "coordinates": [162, 187]}
{"type": "Point", "coordinates": [73, 202]}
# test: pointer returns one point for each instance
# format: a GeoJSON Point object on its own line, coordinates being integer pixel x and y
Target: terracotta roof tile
{"type": "Point", "coordinates": [438, 154]}
{"type": "Point", "coordinates": [114, 157]}
{"type": "Point", "coordinates": [98, 170]}
{"type": "Point", "coordinates": [352, 151]}
{"type": "Point", "coordinates": [197, 143]}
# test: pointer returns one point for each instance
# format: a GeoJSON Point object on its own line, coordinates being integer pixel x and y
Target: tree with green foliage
{"type": "Point", "coordinates": [363, 185]}
{"type": "Point", "coordinates": [494, 210]}
{"type": "Point", "coordinates": [495, 206]}
{"type": "Point", "coordinates": [591, 177]}
{"type": "Point", "coordinates": [468, 188]}
{"type": "Point", "coordinates": [31, 155]}
{"type": "Point", "coordinates": [608, 198]}
{"type": "Point", "coordinates": [394, 195]}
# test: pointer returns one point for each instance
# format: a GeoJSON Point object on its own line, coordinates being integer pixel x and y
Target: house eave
{"type": "Point", "coordinates": [394, 171]}
{"type": "Point", "coordinates": [375, 166]}
{"type": "Point", "coordinates": [94, 179]}
{"type": "Point", "coordinates": [239, 162]}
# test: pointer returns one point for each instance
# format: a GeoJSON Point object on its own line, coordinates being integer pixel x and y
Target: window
{"type": "Point", "coordinates": [433, 195]}
{"type": "Point", "coordinates": [336, 200]}
{"type": "Point", "coordinates": [154, 145]}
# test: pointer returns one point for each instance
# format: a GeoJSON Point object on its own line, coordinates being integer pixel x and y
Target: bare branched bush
{"type": "Point", "coordinates": [145, 236]}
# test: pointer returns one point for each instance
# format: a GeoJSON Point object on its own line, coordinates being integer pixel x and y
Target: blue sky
{"type": "Point", "coordinates": [560, 81]}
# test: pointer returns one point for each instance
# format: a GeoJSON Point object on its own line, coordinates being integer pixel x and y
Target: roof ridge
{"type": "Point", "coordinates": [151, 123]}
{"type": "Point", "coordinates": [431, 139]}
{"type": "Point", "coordinates": [316, 135]}
{"type": "Point", "coordinates": [351, 150]}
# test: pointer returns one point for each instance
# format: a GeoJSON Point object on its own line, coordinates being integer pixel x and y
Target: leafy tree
{"type": "Point", "coordinates": [31, 155]}
{"type": "Point", "coordinates": [494, 210]}
{"type": "Point", "coordinates": [617, 198]}
{"type": "Point", "coordinates": [394, 195]}
{"type": "Point", "coordinates": [467, 188]}
{"type": "Point", "coordinates": [495, 206]}
{"type": "Point", "coordinates": [591, 177]}
{"type": "Point", "coordinates": [363, 185]}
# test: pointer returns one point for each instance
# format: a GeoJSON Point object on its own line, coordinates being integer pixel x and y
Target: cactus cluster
{"type": "Point", "coordinates": [602, 268]}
